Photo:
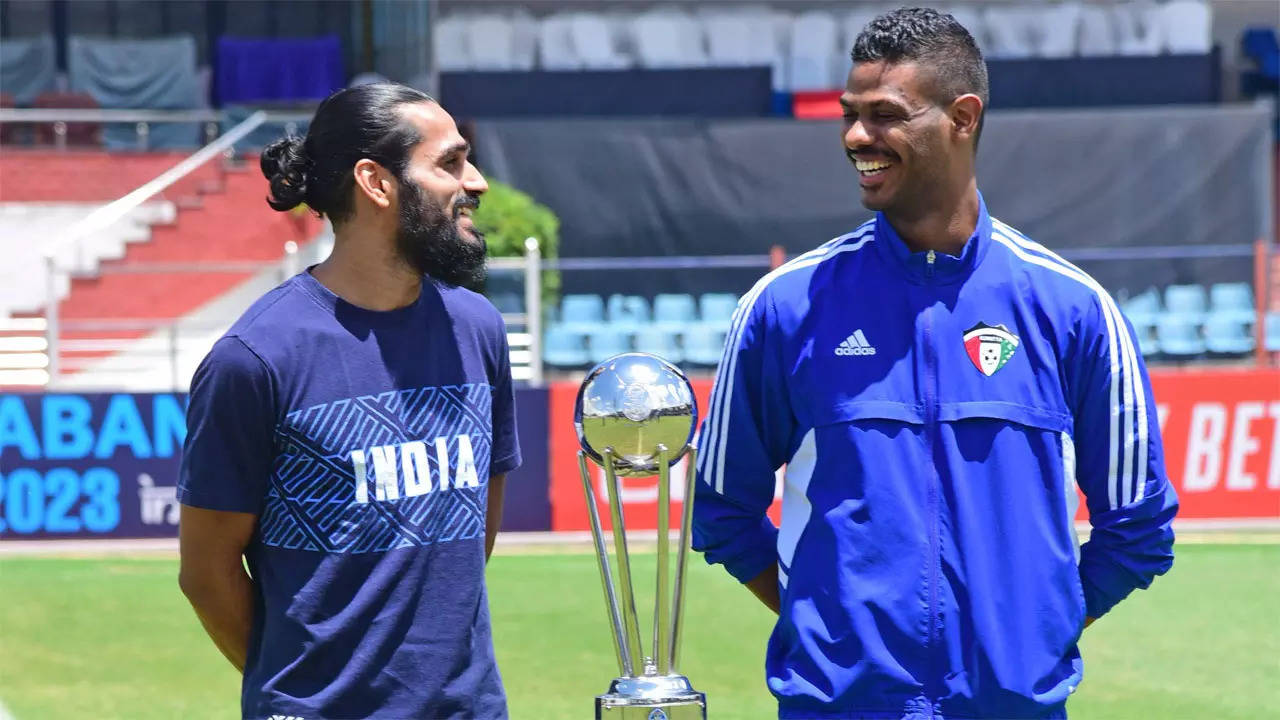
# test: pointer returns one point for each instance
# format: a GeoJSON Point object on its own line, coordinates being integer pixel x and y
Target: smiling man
{"type": "Point", "coordinates": [936, 385]}
{"type": "Point", "coordinates": [349, 435]}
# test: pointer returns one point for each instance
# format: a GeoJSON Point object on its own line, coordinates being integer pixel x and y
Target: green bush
{"type": "Point", "coordinates": [507, 216]}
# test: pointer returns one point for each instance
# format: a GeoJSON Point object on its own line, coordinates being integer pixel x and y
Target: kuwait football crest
{"type": "Point", "coordinates": [989, 347]}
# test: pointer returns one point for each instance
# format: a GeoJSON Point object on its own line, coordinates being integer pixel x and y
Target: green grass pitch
{"type": "Point", "coordinates": [113, 638]}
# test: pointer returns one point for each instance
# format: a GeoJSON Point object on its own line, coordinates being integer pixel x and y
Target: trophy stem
{"type": "Point", "coordinates": [682, 556]}
{"type": "Point", "coordinates": [662, 604]}
{"type": "Point", "coordinates": [631, 635]}
{"type": "Point", "coordinates": [606, 576]}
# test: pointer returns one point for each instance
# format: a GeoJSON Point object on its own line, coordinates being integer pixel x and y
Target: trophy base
{"type": "Point", "coordinates": [651, 697]}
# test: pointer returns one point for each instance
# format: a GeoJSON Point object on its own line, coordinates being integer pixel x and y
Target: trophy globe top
{"type": "Point", "coordinates": [633, 403]}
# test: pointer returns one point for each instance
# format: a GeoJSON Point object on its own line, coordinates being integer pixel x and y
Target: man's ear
{"type": "Point", "coordinates": [374, 182]}
{"type": "Point", "coordinates": [966, 114]}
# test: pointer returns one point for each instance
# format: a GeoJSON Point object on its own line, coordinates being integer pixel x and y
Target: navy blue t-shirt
{"type": "Point", "coordinates": [364, 442]}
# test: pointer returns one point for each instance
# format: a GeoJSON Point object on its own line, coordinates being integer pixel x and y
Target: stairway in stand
{"type": "Point", "coordinates": [222, 217]}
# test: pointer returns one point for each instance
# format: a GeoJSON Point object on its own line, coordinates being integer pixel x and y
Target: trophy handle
{"type": "Point", "coordinates": [631, 642]}
{"type": "Point", "coordinates": [682, 557]}
{"type": "Point", "coordinates": [662, 607]}
{"type": "Point", "coordinates": [606, 576]}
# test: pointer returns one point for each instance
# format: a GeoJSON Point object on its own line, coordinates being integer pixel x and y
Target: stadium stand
{"type": "Point", "coordinates": [183, 244]}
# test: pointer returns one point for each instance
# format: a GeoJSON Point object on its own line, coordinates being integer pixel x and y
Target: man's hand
{"type": "Point", "coordinates": [765, 587]}
{"type": "Point", "coordinates": [213, 578]}
{"type": "Point", "coordinates": [493, 513]}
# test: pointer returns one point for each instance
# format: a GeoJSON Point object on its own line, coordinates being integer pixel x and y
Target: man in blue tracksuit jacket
{"type": "Point", "coordinates": [936, 385]}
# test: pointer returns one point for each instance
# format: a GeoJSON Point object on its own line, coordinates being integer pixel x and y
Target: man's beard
{"type": "Point", "coordinates": [429, 240]}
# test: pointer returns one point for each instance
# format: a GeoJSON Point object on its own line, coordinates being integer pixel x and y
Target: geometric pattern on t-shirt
{"type": "Point", "coordinates": [311, 504]}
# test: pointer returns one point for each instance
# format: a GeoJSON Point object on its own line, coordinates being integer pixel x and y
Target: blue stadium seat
{"type": "Point", "coordinates": [583, 313]}
{"type": "Point", "coordinates": [607, 341]}
{"type": "Point", "coordinates": [674, 311]}
{"type": "Point", "coordinates": [660, 342]}
{"type": "Point", "coordinates": [564, 348]}
{"type": "Point", "coordinates": [508, 303]}
{"type": "Point", "coordinates": [1232, 300]}
{"type": "Point", "coordinates": [1178, 336]}
{"type": "Point", "coordinates": [1186, 301]}
{"type": "Point", "coordinates": [628, 311]}
{"type": "Point", "coordinates": [717, 308]}
{"type": "Point", "coordinates": [703, 344]}
{"type": "Point", "coordinates": [1272, 340]}
{"type": "Point", "coordinates": [1227, 335]}
{"type": "Point", "coordinates": [1143, 310]}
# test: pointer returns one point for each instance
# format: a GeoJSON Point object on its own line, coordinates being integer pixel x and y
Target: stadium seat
{"type": "Point", "coordinates": [1178, 337]}
{"type": "Point", "coordinates": [668, 39]}
{"type": "Point", "coordinates": [508, 303]}
{"type": "Point", "coordinates": [452, 43]}
{"type": "Point", "coordinates": [605, 342]}
{"type": "Point", "coordinates": [1185, 301]}
{"type": "Point", "coordinates": [594, 42]}
{"type": "Point", "coordinates": [814, 60]}
{"type": "Point", "coordinates": [703, 344]}
{"type": "Point", "coordinates": [1185, 26]}
{"type": "Point", "coordinates": [524, 42]}
{"type": "Point", "coordinates": [10, 132]}
{"type": "Point", "coordinates": [1138, 27]}
{"type": "Point", "coordinates": [79, 134]}
{"type": "Point", "coordinates": [673, 312]}
{"type": "Point", "coordinates": [1009, 28]}
{"type": "Point", "coordinates": [564, 348]}
{"type": "Point", "coordinates": [581, 312]}
{"type": "Point", "coordinates": [492, 41]}
{"type": "Point", "coordinates": [971, 18]}
{"type": "Point", "coordinates": [1097, 32]}
{"type": "Point", "coordinates": [1272, 339]}
{"type": "Point", "coordinates": [716, 309]}
{"type": "Point", "coordinates": [660, 342]}
{"type": "Point", "coordinates": [1227, 335]}
{"type": "Point", "coordinates": [738, 37]}
{"type": "Point", "coordinates": [1233, 300]}
{"type": "Point", "coordinates": [555, 43]}
{"type": "Point", "coordinates": [628, 311]}
{"type": "Point", "coordinates": [1143, 310]}
{"type": "Point", "coordinates": [1056, 29]}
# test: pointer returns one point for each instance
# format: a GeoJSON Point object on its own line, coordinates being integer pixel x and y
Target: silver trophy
{"type": "Point", "coordinates": [635, 416]}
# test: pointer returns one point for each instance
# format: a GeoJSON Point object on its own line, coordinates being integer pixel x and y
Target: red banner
{"type": "Point", "coordinates": [1220, 430]}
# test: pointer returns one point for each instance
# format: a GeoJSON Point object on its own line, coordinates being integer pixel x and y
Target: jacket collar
{"type": "Point", "coordinates": [944, 268]}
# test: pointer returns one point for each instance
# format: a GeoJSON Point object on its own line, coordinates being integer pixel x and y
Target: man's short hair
{"type": "Point", "coordinates": [932, 39]}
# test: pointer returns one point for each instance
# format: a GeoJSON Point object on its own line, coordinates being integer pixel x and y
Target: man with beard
{"type": "Point", "coordinates": [349, 435]}
{"type": "Point", "coordinates": [937, 385]}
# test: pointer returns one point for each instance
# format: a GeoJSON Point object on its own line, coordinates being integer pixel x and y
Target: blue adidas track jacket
{"type": "Point", "coordinates": [934, 414]}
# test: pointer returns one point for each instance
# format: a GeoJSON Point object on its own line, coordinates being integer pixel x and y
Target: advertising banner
{"type": "Point", "coordinates": [91, 465]}
{"type": "Point", "coordinates": [1220, 431]}
{"type": "Point", "coordinates": [105, 465]}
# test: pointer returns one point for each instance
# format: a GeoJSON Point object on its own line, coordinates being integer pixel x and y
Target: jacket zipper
{"type": "Point", "coordinates": [931, 421]}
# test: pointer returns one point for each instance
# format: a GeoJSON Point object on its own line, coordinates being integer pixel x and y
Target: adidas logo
{"type": "Point", "coordinates": [855, 344]}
